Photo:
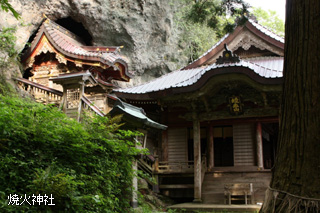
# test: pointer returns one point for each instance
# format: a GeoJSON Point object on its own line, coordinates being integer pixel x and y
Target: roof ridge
{"type": "Point", "coordinates": [262, 66]}
{"type": "Point", "coordinates": [64, 30]}
{"type": "Point", "coordinates": [281, 39]}
{"type": "Point", "coordinates": [210, 49]}
{"type": "Point", "coordinates": [155, 79]}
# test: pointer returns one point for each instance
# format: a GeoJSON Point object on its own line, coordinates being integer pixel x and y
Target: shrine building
{"type": "Point", "coordinates": [222, 113]}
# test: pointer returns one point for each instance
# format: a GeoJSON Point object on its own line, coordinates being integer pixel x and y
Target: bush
{"type": "Point", "coordinates": [87, 167]}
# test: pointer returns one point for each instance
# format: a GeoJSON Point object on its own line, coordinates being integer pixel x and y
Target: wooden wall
{"type": "Point", "coordinates": [243, 143]}
{"type": "Point", "coordinates": [177, 144]}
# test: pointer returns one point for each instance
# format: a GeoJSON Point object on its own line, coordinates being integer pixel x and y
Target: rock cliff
{"type": "Point", "coordinates": [145, 28]}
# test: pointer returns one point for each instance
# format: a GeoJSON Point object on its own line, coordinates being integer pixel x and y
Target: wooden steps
{"type": "Point", "coordinates": [213, 186]}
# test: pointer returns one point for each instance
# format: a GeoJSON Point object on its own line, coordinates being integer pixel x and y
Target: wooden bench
{"type": "Point", "coordinates": [238, 191]}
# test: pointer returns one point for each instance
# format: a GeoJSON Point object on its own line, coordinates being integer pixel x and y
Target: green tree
{"type": "Point", "coordinates": [203, 22]}
{"type": "Point", "coordinates": [269, 19]}
{"type": "Point", "coordinates": [219, 15]}
{"type": "Point", "coordinates": [295, 180]}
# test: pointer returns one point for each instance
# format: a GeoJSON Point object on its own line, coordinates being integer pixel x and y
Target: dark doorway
{"type": "Point", "coordinates": [269, 141]}
{"type": "Point", "coordinates": [223, 146]}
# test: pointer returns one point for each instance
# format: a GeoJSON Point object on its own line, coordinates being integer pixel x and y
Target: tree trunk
{"type": "Point", "coordinates": [296, 176]}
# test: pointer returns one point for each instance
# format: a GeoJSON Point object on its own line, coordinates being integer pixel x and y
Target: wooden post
{"type": "Point", "coordinates": [81, 92]}
{"type": "Point", "coordinates": [47, 95]}
{"type": "Point", "coordinates": [155, 187]}
{"type": "Point", "coordinates": [197, 160]}
{"type": "Point", "coordinates": [134, 199]}
{"type": "Point", "coordinates": [156, 164]}
{"type": "Point", "coordinates": [165, 145]}
{"type": "Point", "coordinates": [259, 146]}
{"type": "Point", "coordinates": [105, 101]}
{"type": "Point", "coordinates": [211, 149]}
{"type": "Point", "coordinates": [64, 101]}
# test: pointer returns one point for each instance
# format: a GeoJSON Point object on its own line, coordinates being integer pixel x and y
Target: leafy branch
{"type": "Point", "coordinates": [6, 6]}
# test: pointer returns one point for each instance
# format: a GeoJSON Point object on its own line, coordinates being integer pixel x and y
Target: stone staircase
{"type": "Point", "coordinates": [213, 186]}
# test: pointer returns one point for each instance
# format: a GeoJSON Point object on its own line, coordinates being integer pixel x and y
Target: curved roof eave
{"type": "Point", "coordinates": [200, 82]}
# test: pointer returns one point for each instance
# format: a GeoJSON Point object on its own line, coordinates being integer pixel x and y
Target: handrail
{"type": "Point", "coordinates": [40, 92]}
{"type": "Point", "coordinates": [93, 107]}
{"type": "Point", "coordinates": [144, 166]}
{"type": "Point", "coordinates": [175, 166]}
{"type": "Point", "coordinates": [39, 86]}
{"type": "Point", "coordinates": [47, 91]}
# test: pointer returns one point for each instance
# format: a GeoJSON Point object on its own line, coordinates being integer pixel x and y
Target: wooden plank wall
{"type": "Point", "coordinates": [243, 143]}
{"type": "Point", "coordinates": [177, 144]}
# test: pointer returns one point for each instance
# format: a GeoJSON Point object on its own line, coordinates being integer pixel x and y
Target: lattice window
{"type": "Point", "coordinates": [73, 98]}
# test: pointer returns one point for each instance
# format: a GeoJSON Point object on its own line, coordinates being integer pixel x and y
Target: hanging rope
{"type": "Point", "coordinates": [292, 195]}
{"type": "Point", "coordinates": [288, 203]}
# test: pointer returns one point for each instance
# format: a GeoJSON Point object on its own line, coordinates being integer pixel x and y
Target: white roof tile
{"type": "Point", "coordinates": [267, 67]}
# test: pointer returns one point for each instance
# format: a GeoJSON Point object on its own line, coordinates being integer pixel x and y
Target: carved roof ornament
{"type": "Point", "coordinates": [227, 57]}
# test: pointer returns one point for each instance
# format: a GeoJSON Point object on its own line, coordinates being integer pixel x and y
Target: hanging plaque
{"type": "Point", "coordinates": [235, 105]}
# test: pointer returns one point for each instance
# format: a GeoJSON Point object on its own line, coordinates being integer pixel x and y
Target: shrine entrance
{"type": "Point", "coordinates": [223, 146]}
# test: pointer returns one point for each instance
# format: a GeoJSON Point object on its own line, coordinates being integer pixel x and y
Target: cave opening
{"type": "Point", "coordinates": [76, 28]}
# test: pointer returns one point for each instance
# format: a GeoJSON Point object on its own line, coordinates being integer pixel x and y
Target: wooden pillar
{"type": "Point", "coordinates": [64, 100]}
{"type": "Point", "coordinates": [105, 101]}
{"type": "Point", "coordinates": [211, 149]}
{"type": "Point", "coordinates": [155, 187]}
{"type": "Point", "coordinates": [259, 146]}
{"type": "Point", "coordinates": [81, 93]}
{"type": "Point", "coordinates": [164, 145]}
{"type": "Point", "coordinates": [134, 199]}
{"type": "Point", "coordinates": [197, 160]}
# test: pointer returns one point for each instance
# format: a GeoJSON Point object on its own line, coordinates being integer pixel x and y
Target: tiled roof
{"type": "Point", "coordinates": [72, 47]}
{"type": "Point", "coordinates": [266, 31]}
{"type": "Point", "coordinates": [270, 67]}
{"type": "Point", "coordinates": [135, 113]}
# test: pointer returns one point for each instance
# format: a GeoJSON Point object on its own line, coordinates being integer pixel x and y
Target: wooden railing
{"type": "Point", "coordinates": [175, 167]}
{"type": "Point", "coordinates": [49, 95]}
{"type": "Point", "coordinates": [40, 92]}
{"type": "Point", "coordinates": [87, 104]}
{"type": "Point", "coordinates": [146, 164]}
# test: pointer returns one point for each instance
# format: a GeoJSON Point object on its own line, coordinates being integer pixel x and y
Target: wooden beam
{"type": "Point", "coordinates": [81, 93]}
{"type": "Point", "coordinates": [164, 145]}
{"type": "Point", "coordinates": [259, 146]}
{"type": "Point", "coordinates": [211, 149]}
{"type": "Point", "coordinates": [134, 198]}
{"type": "Point", "coordinates": [197, 159]}
{"type": "Point", "coordinates": [176, 186]}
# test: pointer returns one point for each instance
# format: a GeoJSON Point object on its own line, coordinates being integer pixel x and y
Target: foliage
{"type": "Point", "coordinates": [203, 22]}
{"type": "Point", "coordinates": [195, 38]}
{"type": "Point", "coordinates": [6, 6]}
{"type": "Point", "coordinates": [87, 166]}
{"type": "Point", "coordinates": [215, 13]}
{"type": "Point", "coordinates": [269, 19]}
